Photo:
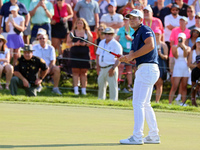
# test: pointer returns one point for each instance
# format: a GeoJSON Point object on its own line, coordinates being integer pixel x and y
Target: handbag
{"type": "Point", "coordinates": [61, 19]}
{"type": "Point", "coordinates": [17, 31]}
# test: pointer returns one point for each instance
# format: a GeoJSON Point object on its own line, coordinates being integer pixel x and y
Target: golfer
{"type": "Point", "coordinates": [145, 52]}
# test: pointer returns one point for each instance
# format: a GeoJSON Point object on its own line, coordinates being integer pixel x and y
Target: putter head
{"type": "Point", "coordinates": [71, 35]}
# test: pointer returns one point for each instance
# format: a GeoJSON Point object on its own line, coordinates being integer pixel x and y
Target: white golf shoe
{"type": "Point", "coordinates": [132, 141]}
{"type": "Point", "coordinates": [152, 139]}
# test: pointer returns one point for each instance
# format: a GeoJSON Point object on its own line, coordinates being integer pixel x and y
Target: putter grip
{"type": "Point", "coordinates": [118, 55]}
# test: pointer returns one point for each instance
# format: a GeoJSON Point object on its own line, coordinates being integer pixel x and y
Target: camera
{"type": "Point", "coordinates": [180, 40]}
{"type": "Point", "coordinates": [61, 20]}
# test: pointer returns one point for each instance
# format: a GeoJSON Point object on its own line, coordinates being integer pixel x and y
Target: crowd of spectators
{"type": "Point", "coordinates": [46, 24]}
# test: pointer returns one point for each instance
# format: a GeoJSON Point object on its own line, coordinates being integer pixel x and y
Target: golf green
{"type": "Point", "coordinates": [51, 127]}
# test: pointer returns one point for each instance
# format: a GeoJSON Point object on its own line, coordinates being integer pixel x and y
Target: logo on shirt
{"type": "Point", "coordinates": [148, 32]}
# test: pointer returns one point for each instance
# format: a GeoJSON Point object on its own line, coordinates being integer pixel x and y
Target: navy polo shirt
{"type": "Point", "coordinates": [142, 33]}
{"type": "Point", "coordinates": [5, 11]}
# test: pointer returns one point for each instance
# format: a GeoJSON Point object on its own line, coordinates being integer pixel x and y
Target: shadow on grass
{"type": "Point", "coordinates": [59, 145]}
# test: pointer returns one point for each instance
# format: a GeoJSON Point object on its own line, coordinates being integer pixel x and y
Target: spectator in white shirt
{"type": "Point", "coordinates": [191, 17]}
{"type": "Point", "coordinates": [47, 52]}
{"type": "Point", "coordinates": [108, 65]}
{"type": "Point", "coordinates": [112, 19]}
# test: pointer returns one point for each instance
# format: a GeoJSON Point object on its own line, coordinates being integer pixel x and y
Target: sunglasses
{"type": "Point", "coordinates": [137, 4]}
{"type": "Point", "coordinates": [108, 33]}
{"type": "Point", "coordinates": [197, 17]}
{"type": "Point", "coordinates": [41, 38]}
{"type": "Point", "coordinates": [59, 0]}
{"type": "Point", "coordinates": [190, 11]}
{"type": "Point", "coordinates": [1, 40]}
{"type": "Point", "coordinates": [100, 29]}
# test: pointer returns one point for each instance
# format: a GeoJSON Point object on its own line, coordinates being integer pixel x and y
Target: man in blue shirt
{"type": "Point", "coordinates": [145, 52]}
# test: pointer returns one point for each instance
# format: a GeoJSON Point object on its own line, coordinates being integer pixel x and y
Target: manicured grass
{"type": "Point", "coordinates": [50, 127]}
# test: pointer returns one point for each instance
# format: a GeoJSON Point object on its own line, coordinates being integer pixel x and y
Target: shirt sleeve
{"type": "Point", "coordinates": [146, 33]}
{"type": "Point", "coordinates": [77, 7]}
{"type": "Point", "coordinates": [166, 21]}
{"type": "Point", "coordinates": [50, 8]}
{"type": "Point", "coordinates": [31, 7]}
{"type": "Point", "coordinates": [96, 10]}
{"type": "Point", "coordinates": [120, 18]}
{"type": "Point", "coordinates": [119, 33]}
{"type": "Point", "coordinates": [23, 7]}
{"type": "Point", "coordinates": [98, 52]}
{"type": "Point", "coordinates": [103, 18]}
{"type": "Point", "coordinates": [16, 68]}
{"type": "Point", "coordinates": [53, 54]}
{"type": "Point", "coordinates": [43, 65]}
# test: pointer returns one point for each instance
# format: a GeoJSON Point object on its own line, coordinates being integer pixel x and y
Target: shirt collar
{"type": "Point", "coordinates": [40, 47]}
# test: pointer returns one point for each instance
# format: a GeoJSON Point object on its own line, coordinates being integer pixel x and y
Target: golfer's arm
{"type": "Point", "coordinates": [148, 46]}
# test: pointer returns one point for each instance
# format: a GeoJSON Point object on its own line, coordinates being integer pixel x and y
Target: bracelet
{"type": "Point", "coordinates": [41, 78]}
{"type": "Point", "coordinates": [45, 9]}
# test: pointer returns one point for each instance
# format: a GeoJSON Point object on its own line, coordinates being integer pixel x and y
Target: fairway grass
{"type": "Point", "coordinates": [48, 127]}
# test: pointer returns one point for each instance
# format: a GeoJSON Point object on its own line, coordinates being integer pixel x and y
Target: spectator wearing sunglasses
{"type": "Point", "coordinates": [112, 19]}
{"type": "Point", "coordinates": [191, 17]}
{"type": "Point", "coordinates": [47, 52]}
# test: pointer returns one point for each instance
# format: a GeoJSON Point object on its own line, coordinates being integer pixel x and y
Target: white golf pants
{"type": "Point", "coordinates": [146, 76]}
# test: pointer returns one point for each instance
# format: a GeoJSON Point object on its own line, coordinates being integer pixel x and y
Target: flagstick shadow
{"type": "Point", "coordinates": [60, 145]}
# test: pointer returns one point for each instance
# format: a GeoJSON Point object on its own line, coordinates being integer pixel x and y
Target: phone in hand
{"type": "Point", "coordinates": [11, 16]}
{"type": "Point", "coordinates": [180, 40]}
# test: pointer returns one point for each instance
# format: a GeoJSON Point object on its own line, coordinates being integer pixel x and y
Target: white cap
{"type": "Point", "coordinates": [196, 28]}
{"type": "Point", "coordinates": [148, 7]}
{"type": "Point", "coordinates": [182, 35]}
{"type": "Point", "coordinates": [113, 4]}
{"type": "Point", "coordinates": [42, 31]}
{"type": "Point", "coordinates": [198, 39]}
{"type": "Point", "coordinates": [184, 18]}
{"type": "Point", "coordinates": [14, 8]}
{"type": "Point", "coordinates": [135, 13]}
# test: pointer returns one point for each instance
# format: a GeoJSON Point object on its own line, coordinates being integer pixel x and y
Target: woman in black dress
{"type": "Point", "coordinates": [79, 54]}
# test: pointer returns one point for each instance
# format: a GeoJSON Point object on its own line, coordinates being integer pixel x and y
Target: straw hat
{"type": "Point", "coordinates": [2, 37]}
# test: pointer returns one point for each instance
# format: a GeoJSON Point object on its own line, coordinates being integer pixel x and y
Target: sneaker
{"type": "Point", "coordinates": [181, 104]}
{"type": "Point", "coordinates": [125, 90]}
{"type": "Point", "coordinates": [152, 139]}
{"type": "Point", "coordinates": [57, 91]}
{"type": "Point", "coordinates": [132, 141]}
{"type": "Point", "coordinates": [39, 88]}
{"type": "Point", "coordinates": [178, 98]}
{"type": "Point", "coordinates": [129, 88]}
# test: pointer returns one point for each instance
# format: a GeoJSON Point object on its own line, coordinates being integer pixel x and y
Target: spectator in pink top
{"type": "Point", "coordinates": [152, 22]}
{"type": "Point", "coordinates": [62, 12]}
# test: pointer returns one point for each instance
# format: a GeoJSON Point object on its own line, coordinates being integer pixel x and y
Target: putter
{"type": "Point", "coordinates": [71, 35]}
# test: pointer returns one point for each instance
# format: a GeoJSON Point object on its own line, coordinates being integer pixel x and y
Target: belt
{"type": "Point", "coordinates": [40, 24]}
{"type": "Point", "coordinates": [106, 66]}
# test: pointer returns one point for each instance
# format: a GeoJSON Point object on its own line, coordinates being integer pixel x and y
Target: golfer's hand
{"type": "Point", "coordinates": [111, 72]}
{"type": "Point", "coordinates": [25, 83]}
{"type": "Point", "coordinates": [123, 58]}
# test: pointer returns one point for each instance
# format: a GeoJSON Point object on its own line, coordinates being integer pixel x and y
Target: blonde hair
{"type": "Point", "coordinates": [85, 24]}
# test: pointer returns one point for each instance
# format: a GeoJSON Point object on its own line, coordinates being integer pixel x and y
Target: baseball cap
{"type": "Point", "coordinates": [125, 18]}
{"type": "Point", "coordinates": [196, 28]}
{"type": "Point", "coordinates": [184, 18]}
{"type": "Point", "coordinates": [14, 8]}
{"type": "Point", "coordinates": [148, 7]}
{"type": "Point", "coordinates": [42, 31]}
{"type": "Point", "coordinates": [135, 13]}
{"type": "Point", "coordinates": [198, 39]}
{"type": "Point", "coordinates": [182, 35]}
{"type": "Point", "coordinates": [157, 31]}
{"type": "Point", "coordinates": [175, 6]}
{"type": "Point", "coordinates": [109, 30]}
{"type": "Point", "coordinates": [113, 4]}
{"type": "Point", "coordinates": [197, 58]}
